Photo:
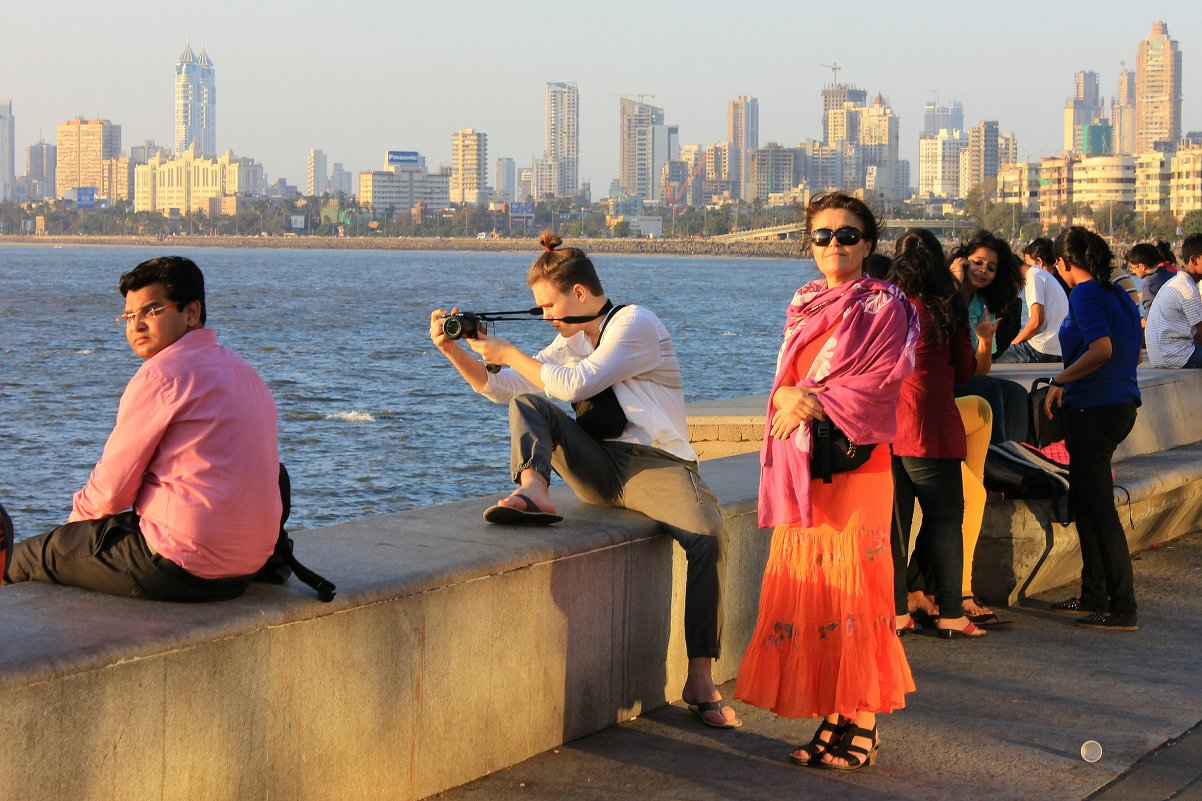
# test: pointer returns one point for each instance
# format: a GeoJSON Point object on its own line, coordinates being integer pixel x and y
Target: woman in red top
{"type": "Point", "coordinates": [930, 443]}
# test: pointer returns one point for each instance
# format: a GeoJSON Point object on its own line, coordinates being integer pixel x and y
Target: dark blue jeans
{"type": "Point", "coordinates": [1091, 436]}
{"type": "Point", "coordinates": [939, 551]}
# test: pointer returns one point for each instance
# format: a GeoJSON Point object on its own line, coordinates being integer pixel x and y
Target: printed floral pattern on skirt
{"type": "Point", "coordinates": [825, 641]}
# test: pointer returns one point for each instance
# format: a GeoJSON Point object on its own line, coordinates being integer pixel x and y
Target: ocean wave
{"type": "Point", "coordinates": [353, 416]}
{"type": "Point", "coordinates": [730, 333]}
{"type": "Point", "coordinates": [83, 352]}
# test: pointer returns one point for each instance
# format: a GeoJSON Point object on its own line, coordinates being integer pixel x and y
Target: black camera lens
{"type": "Point", "coordinates": [458, 326]}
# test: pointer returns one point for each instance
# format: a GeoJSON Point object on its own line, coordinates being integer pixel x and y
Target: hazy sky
{"type": "Point", "coordinates": [358, 77]}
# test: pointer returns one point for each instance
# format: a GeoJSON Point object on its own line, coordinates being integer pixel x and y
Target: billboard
{"type": "Point", "coordinates": [298, 221]}
{"type": "Point", "coordinates": [85, 197]}
{"type": "Point", "coordinates": [397, 157]}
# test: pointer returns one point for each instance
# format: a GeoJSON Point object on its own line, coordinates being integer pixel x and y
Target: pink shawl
{"type": "Point", "coordinates": [862, 366]}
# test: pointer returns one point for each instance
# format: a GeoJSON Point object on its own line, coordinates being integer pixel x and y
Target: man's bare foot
{"type": "Point", "coordinates": [517, 500]}
{"type": "Point", "coordinates": [701, 692]}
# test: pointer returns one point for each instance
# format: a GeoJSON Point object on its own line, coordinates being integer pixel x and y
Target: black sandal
{"type": "Point", "coordinates": [849, 752]}
{"type": "Point", "coordinates": [816, 747]}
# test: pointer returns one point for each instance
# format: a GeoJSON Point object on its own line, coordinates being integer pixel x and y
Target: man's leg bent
{"type": "Point", "coordinates": [89, 554]}
{"type": "Point", "coordinates": [671, 492]}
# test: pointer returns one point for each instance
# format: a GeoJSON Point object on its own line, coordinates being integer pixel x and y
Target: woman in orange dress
{"type": "Point", "coordinates": [825, 643]}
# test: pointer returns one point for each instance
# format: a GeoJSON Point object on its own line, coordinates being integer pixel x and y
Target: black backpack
{"type": "Point", "coordinates": [283, 562]}
{"type": "Point", "coordinates": [1019, 472]}
{"type": "Point", "coordinates": [1042, 430]}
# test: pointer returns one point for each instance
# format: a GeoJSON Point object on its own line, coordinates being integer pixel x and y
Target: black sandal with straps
{"type": "Point", "coordinates": [850, 753]}
{"type": "Point", "coordinates": [816, 747]}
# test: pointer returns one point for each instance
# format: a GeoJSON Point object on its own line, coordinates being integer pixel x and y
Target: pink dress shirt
{"type": "Point", "coordinates": [194, 452]}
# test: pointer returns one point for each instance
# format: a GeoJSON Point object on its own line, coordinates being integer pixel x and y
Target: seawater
{"type": "Point", "coordinates": [373, 420]}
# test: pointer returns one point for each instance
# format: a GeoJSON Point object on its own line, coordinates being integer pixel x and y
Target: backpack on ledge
{"type": "Point", "coordinates": [283, 562]}
{"type": "Point", "coordinates": [1020, 472]}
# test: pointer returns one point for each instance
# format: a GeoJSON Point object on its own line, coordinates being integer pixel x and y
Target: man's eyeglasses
{"type": "Point", "coordinates": [146, 313]}
{"type": "Point", "coordinates": [844, 236]}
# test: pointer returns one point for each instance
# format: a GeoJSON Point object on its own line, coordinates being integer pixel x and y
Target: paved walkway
{"type": "Point", "coordinates": [1000, 718]}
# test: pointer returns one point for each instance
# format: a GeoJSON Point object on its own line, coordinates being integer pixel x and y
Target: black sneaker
{"type": "Point", "coordinates": [1069, 606]}
{"type": "Point", "coordinates": [6, 543]}
{"type": "Point", "coordinates": [1096, 620]}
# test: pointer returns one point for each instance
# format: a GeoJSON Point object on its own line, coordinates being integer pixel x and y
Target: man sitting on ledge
{"type": "Point", "coordinates": [193, 452]}
{"type": "Point", "coordinates": [638, 458]}
{"type": "Point", "coordinates": [1174, 330]}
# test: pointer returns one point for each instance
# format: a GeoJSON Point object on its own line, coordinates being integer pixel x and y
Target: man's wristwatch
{"type": "Point", "coordinates": [1053, 382]}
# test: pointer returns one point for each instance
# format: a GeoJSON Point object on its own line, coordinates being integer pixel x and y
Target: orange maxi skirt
{"type": "Point", "coordinates": [825, 641]}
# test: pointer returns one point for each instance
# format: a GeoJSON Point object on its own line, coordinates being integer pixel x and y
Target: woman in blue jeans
{"type": "Point", "coordinates": [1099, 393]}
{"type": "Point", "coordinates": [930, 444]}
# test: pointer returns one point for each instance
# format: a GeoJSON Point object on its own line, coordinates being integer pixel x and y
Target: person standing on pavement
{"type": "Point", "coordinates": [1099, 394]}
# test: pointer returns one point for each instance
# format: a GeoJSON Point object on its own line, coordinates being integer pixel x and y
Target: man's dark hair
{"type": "Point", "coordinates": [182, 280]}
{"type": "Point", "coordinates": [1040, 248]}
{"type": "Point", "coordinates": [1191, 247]}
{"type": "Point", "coordinates": [1145, 255]}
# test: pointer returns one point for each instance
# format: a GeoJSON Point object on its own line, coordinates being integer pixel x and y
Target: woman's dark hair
{"type": "Point", "coordinates": [1082, 248]}
{"type": "Point", "coordinates": [920, 270]}
{"type": "Point", "coordinates": [1008, 280]}
{"type": "Point", "coordinates": [877, 265]}
{"type": "Point", "coordinates": [182, 280]}
{"type": "Point", "coordinates": [563, 267]}
{"type": "Point", "coordinates": [1166, 252]}
{"type": "Point", "coordinates": [838, 200]}
{"type": "Point", "coordinates": [1040, 249]}
{"type": "Point", "coordinates": [1145, 255]}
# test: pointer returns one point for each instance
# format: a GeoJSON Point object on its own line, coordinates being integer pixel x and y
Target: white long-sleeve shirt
{"type": "Point", "coordinates": [635, 357]}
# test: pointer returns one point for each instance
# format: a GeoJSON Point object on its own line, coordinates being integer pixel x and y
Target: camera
{"type": "Point", "coordinates": [460, 325]}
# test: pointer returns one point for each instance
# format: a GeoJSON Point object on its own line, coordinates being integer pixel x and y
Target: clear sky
{"type": "Point", "coordinates": [359, 77]}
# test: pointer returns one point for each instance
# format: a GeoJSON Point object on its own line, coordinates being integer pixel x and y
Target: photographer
{"type": "Point", "coordinates": [621, 364]}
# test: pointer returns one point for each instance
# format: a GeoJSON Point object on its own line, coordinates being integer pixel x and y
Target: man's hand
{"type": "Point", "coordinates": [440, 339]}
{"type": "Point", "coordinates": [492, 350]}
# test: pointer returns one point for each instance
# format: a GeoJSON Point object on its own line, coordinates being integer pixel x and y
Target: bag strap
{"type": "Point", "coordinates": [283, 546]}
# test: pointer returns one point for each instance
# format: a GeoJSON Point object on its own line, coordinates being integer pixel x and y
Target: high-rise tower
{"type": "Point", "coordinates": [1157, 92]}
{"type": "Point", "coordinates": [743, 133]}
{"type": "Point", "coordinates": [8, 152]}
{"type": "Point", "coordinates": [562, 136]}
{"type": "Point", "coordinates": [469, 166]}
{"type": "Point", "coordinates": [195, 103]}
{"type": "Point", "coordinates": [637, 123]}
{"type": "Point", "coordinates": [1122, 114]}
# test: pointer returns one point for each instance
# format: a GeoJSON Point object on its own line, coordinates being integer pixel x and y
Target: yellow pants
{"type": "Point", "coordinates": [978, 424]}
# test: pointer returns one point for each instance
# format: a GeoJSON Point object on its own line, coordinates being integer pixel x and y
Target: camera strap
{"type": "Point", "coordinates": [588, 318]}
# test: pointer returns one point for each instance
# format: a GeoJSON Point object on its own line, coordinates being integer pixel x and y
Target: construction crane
{"type": "Point", "coordinates": [834, 68]}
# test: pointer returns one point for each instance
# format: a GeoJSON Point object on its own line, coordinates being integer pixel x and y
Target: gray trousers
{"type": "Point", "coordinates": [111, 556]}
{"type": "Point", "coordinates": [665, 488]}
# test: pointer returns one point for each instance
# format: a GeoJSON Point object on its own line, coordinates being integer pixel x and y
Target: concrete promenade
{"type": "Point", "coordinates": [1002, 718]}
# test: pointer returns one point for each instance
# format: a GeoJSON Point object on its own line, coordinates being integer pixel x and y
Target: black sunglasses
{"type": "Point", "coordinates": [845, 236]}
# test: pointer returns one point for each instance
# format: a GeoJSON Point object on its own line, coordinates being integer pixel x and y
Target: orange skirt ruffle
{"type": "Point", "coordinates": [825, 641]}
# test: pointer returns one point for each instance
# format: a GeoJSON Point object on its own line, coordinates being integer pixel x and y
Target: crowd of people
{"type": "Point", "coordinates": [882, 399]}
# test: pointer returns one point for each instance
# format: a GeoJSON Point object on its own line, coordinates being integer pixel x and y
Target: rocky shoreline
{"type": "Point", "coordinates": [777, 249]}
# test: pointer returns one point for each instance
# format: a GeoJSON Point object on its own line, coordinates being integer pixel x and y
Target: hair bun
{"type": "Point", "coordinates": [550, 240]}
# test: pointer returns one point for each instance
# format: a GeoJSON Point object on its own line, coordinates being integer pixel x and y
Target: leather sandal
{"type": "Point", "coordinates": [856, 756]}
{"type": "Point", "coordinates": [816, 747]}
{"type": "Point", "coordinates": [970, 632]}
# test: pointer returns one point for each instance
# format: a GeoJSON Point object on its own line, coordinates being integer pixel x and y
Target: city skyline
{"type": "Point", "coordinates": [358, 102]}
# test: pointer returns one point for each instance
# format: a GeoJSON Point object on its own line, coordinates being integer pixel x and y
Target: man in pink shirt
{"type": "Point", "coordinates": [193, 452]}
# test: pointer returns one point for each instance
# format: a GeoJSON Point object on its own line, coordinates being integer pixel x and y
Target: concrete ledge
{"type": "Point", "coordinates": [454, 648]}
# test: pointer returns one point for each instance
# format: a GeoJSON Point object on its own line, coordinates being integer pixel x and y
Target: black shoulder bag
{"type": "Point", "coordinates": [601, 416]}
